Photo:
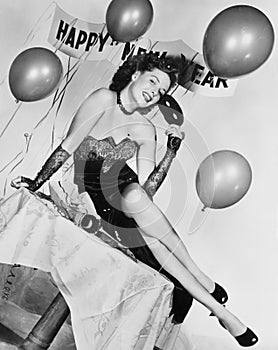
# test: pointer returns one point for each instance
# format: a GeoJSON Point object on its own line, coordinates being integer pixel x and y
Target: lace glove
{"type": "Point", "coordinates": [53, 163]}
{"type": "Point", "coordinates": [158, 175]}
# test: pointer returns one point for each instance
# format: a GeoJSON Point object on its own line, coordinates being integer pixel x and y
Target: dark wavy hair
{"type": "Point", "coordinates": [172, 65]}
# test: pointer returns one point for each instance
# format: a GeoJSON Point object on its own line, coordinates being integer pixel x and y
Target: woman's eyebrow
{"type": "Point", "coordinates": [156, 77]}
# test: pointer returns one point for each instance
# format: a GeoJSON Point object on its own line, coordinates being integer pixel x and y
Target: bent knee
{"type": "Point", "coordinates": [134, 198]}
{"type": "Point", "coordinates": [133, 192]}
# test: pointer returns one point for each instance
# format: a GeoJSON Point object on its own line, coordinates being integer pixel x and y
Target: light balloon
{"type": "Point", "coordinates": [127, 20]}
{"type": "Point", "coordinates": [34, 74]}
{"type": "Point", "coordinates": [237, 41]}
{"type": "Point", "coordinates": [222, 179]}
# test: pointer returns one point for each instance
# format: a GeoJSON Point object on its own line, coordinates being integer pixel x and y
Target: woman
{"type": "Point", "coordinates": [111, 127]}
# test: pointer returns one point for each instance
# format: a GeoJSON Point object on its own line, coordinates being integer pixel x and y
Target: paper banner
{"type": "Point", "coordinates": [91, 41]}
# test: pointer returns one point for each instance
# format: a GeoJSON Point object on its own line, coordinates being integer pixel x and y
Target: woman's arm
{"type": "Point", "coordinates": [158, 175]}
{"type": "Point", "coordinates": [86, 117]}
{"type": "Point", "coordinates": [151, 176]}
{"type": "Point", "coordinates": [84, 120]}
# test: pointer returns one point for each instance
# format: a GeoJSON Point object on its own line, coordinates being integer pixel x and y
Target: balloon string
{"type": "Point", "coordinates": [27, 140]}
{"type": "Point", "coordinates": [10, 162]}
{"type": "Point", "coordinates": [60, 103]}
{"type": "Point", "coordinates": [66, 76]}
{"type": "Point", "coordinates": [77, 64]}
{"type": "Point", "coordinates": [191, 82]}
{"type": "Point", "coordinates": [10, 120]}
{"type": "Point", "coordinates": [68, 79]}
{"type": "Point", "coordinates": [58, 95]}
{"type": "Point", "coordinates": [101, 78]}
{"type": "Point", "coordinates": [56, 98]}
{"type": "Point", "coordinates": [90, 77]}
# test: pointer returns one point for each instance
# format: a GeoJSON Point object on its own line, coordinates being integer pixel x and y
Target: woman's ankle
{"type": "Point", "coordinates": [233, 325]}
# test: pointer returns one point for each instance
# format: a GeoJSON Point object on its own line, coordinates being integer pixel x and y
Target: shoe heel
{"type": "Point", "coordinates": [248, 338]}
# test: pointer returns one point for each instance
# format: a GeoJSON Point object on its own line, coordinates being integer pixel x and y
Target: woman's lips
{"type": "Point", "coordinates": [146, 96]}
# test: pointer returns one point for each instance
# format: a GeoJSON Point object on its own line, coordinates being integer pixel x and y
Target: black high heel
{"type": "Point", "coordinates": [248, 338]}
{"type": "Point", "coordinates": [219, 294]}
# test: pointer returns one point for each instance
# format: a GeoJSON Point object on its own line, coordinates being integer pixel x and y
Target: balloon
{"type": "Point", "coordinates": [127, 20]}
{"type": "Point", "coordinates": [35, 74]}
{"type": "Point", "coordinates": [237, 41]}
{"type": "Point", "coordinates": [171, 110]}
{"type": "Point", "coordinates": [222, 179]}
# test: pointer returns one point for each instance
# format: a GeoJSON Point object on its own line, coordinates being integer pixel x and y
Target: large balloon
{"type": "Point", "coordinates": [237, 41]}
{"type": "Point", "coordinates": [127, 20]}
{"type": "Point", "coordinates": [222, 179]}
{"type": "Point", "coordinates": [35, 74]}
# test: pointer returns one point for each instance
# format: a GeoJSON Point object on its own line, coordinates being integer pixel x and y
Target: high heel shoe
{"type": "Point", "coordinates": [219, 294]}
{"type": "Point", "coordinates": [248, 338]}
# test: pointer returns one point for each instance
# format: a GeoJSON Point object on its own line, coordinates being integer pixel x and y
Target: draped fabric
{"type": "Point", "coordinates": [115, 303]}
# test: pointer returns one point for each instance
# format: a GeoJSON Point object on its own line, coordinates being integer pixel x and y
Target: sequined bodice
{"type": "Point", "coordinates": [106, 150]}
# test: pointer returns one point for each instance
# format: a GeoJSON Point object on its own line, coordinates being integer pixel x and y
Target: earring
{"type": "Point", "coordinates": [134, 76]}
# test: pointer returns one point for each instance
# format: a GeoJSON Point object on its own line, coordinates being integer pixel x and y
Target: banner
{"type": "Point", "coordinates": [91, 41]}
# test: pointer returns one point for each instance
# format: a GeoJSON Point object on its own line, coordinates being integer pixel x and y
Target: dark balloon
{"type": "Point", "coordinates": [171, 110]}
{"type": "Point", "coordinates": [35, 74]}
{"type": "Point", "coordinates": [237, 41]}
{"type": "Point", "coordinates": [222, 179]}
{"type": "Point", "coordinates": [127, 20]}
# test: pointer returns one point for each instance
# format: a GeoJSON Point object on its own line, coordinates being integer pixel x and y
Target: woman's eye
{"type": "Point", "coordinates": [152, 81]}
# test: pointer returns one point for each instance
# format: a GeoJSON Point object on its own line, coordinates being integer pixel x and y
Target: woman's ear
{"type": "Point", "coordinates": [135, 75]}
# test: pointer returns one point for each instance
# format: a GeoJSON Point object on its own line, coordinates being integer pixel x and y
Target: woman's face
{"type": "Point", "coordinates": [147, 87]}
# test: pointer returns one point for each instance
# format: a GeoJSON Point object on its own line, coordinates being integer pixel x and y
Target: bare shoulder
{"type": "Point", "coordinates": [99, 100]}
{"type": "Point", "coordinates": [145, 131]}
{"type": "Point", "coordinates": [102, 96]}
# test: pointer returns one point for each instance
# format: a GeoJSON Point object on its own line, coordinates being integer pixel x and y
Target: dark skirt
{"type": "Point", "coordinates": [105, 190]}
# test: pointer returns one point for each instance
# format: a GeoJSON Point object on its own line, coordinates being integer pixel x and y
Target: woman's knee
{"type": "Point", "coordinates": [134, 199]}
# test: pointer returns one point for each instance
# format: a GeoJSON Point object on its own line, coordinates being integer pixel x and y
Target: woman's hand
{"type": "Point", "coordinates": [22, 181]}
{"type": "Point", "coordinates": [175, 131]}
{"type": "Point", "coordinates": [175, 136]}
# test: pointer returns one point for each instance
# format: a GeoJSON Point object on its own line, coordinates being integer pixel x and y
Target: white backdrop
{"type": "Point", "coordinates": [238, 245]}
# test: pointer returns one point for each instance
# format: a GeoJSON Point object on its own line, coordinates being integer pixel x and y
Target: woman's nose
{"type": "Point", "coordinates": [155, 92]}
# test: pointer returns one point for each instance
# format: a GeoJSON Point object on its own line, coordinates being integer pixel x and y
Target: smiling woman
{"type": "Point", "coordinates": [111, 127]}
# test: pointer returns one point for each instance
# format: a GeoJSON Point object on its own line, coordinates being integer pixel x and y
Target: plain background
{"type": "Point", "coordinates": [237, 246]}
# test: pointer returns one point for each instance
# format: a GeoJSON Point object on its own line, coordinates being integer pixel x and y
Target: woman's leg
{"type": "Point", "coordinates": [153, 222]}
{"type": "Point", "coordinates": [174, 267]}
{"type": "Point", "coordinates": [173, 256]}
